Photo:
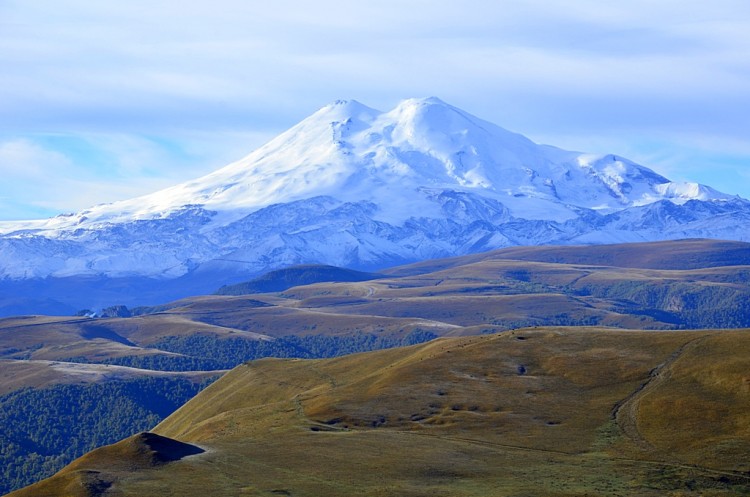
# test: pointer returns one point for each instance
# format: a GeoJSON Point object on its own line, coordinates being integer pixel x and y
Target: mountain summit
{"type": "Point", "coordinates": [354, 153]}
{"type": "Point", "coordinates": [353, 186]}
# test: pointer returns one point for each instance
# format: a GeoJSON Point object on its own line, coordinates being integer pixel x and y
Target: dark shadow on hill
{"type": "Point", "coordinates": [167, 449]}
{"type": "Point", "coordinates": [92, 331]}
{"type": "Point", "coordinates": [283, 279]}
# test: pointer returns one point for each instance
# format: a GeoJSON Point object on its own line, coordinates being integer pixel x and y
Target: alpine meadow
{"type": "Point", "coordinates": [387, 303]}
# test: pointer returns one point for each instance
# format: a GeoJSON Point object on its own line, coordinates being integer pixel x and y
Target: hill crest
{"type": "Point", "coordinates": [538, 412]}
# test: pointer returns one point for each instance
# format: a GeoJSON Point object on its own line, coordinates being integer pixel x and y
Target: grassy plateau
{"type": "Point", "coordinates": [531, 412]}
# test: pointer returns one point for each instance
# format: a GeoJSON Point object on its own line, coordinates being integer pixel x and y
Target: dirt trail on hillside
{"type": "Point", "coordinates": [626, 412]}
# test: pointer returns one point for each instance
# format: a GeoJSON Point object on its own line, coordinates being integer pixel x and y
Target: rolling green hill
{"type": "Point", "coordinates": [534, 412]}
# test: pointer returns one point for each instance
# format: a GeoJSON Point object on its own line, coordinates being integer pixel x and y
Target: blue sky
{"type": "Point", "coordinates": [101, 101]}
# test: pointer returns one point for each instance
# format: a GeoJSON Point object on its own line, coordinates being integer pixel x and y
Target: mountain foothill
{"type": "Point", "coordinates": [354, 187]}
{"type": "Point", "coordinates": [414, 302]}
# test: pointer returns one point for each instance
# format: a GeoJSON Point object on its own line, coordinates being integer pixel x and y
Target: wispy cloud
{"type": "Point", "coordinates": [47, 179]}
{"type": "Point", "coordinates": [47, 174]}
{"type": "Point", "coordinates": [154, 74]}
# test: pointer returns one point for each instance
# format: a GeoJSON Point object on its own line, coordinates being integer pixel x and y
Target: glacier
{"type": "Point", "coordinates": [353, 186]}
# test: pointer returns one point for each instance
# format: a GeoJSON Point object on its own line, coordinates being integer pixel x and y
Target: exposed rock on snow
{"type": "Point", "coordinates": [353, 186]}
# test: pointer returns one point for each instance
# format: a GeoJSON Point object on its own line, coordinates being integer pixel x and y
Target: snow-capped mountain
{"type": "Point", "coordinates": [357, 187]}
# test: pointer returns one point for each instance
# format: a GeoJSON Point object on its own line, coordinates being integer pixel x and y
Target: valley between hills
{"type": "Point", "coordinates": [556, 371]}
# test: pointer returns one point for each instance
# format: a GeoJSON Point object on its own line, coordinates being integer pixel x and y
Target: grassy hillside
{"type": "Point", "coordinates": [536, 412]}
{"type": "Point", "coordinates": [511, 288]}
{"type": "Point", "coordinates": [75, 382]}
{"type": "Point", "coordinates": [672, 254]}
{"type": "Point", "coordinates": [46, 428]}
{"type": "Point", "coordinates": [662, 286]}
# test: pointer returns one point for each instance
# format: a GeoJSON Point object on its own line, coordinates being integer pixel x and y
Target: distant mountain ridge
{"type": "Point", "coordinates": [283, 279]}
{"type": "Point", "coordinates": [354, 187]}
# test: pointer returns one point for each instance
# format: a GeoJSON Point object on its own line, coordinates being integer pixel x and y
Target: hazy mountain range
{"type": "Point", "coordinates": [354, 187]}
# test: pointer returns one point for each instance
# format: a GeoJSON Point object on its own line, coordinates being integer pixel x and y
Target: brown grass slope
{"type": "Point", "coordinates": [35, 350]}
{"type": "Point", "coordinates": [508, 294]}
{"type": "Point", "coordinates": [671, 254]}
{"type": "Point", "coordinates": [92, 474]}
{"type": "Point", "coordinates": [628, 286]}
{"type": "Point", "coordinates": [58, 338]}
{"type": "Point", "coordinates": [15, 374]}
{"type": "Point", "coordinates": [535, 412]}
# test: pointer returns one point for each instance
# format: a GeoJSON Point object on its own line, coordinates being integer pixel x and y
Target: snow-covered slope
{"type": "Point", "coordinates": [354, 186]}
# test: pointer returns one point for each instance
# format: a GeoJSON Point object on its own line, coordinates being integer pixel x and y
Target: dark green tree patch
{"type": "Point", "coordinates": [45, 429]}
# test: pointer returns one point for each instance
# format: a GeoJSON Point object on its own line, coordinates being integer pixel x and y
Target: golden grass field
{"type": "Point", "coordinates": [531, 412]}
{"type": "Point", "coordinates": [481, 293]}
{"type": "Point", "coordinates": [546, 411]}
